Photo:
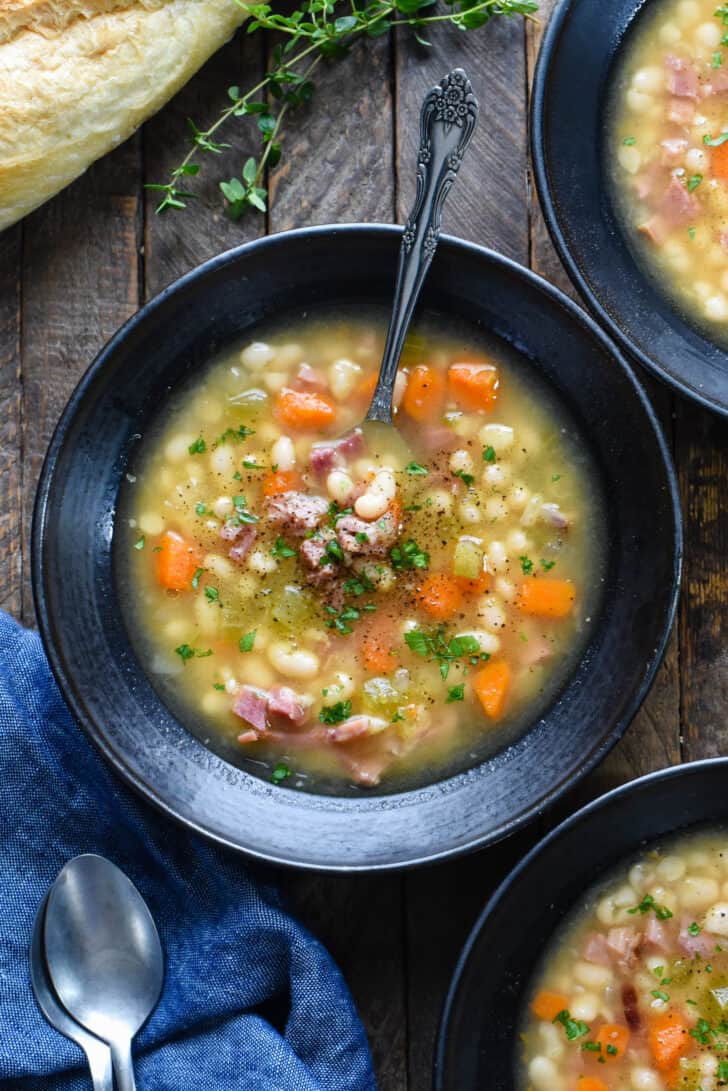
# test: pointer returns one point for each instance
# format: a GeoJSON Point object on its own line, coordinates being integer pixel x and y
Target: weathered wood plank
{"type": "Point", "coordinates": [177, 241]}
{"type": "Point", "coordinates": [488, 203]}
{"type": "Point", "coordinates": [10, 411]}
{"type": "Point", "coordinates": [80, 283]}
{"type": "Point", "coordinates": [702, 455]}
{"type": "Point", "coordinates": [337, 165]}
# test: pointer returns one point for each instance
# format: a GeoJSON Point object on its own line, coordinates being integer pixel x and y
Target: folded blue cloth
{"type": "Point", "coordinates": [252, 1002]}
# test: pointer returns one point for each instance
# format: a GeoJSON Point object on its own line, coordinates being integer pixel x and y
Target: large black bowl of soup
{"type": "Point", "coordinates": [336, 656]}
{"type": "Point", "coordinates": [601, 963]}
{"type": "Point", "coordinates": [630, 148]}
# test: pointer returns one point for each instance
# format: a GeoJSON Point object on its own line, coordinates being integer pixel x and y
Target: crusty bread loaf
{"type": "Point", "coordinates": [77, 77]}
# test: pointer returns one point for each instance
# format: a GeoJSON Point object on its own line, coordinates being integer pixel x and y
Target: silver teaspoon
{"type": "Point", "coordinates": [97, 1052]}
{"type": "Point", "coordinates": [447, 122]}
{"type": "Point", "coordinates": [103, 955]}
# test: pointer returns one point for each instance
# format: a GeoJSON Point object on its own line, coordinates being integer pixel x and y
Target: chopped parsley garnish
{"type": "Point", "coordinates": [280, 773]}
{"type": "Point", "coordinates": [333, 552]}
{"type": "Point", "coordinates": [157, 549]}
{"type": "Point", "coordinates": [691, 232]}
{"type": "Point", "coordinates": [660, 995]}
{"type": "Point", "coordinates": [218, 686]}
{"type": "Point", "coordinates": [547, 565]}
{"type": "Point", "coordinates": [247, 641]}
{"type": "Point", "coordinates": [723, 1071]}
{"type": "Point", "coordinates": [701, 1032]}
{"type": "Point", "coordinates": [139, 543]}
{"type": "Point", "coordinates": [361, 537]}
{"type": "Point", "coordinates": [409, 555]}
{"type": "Point", "coordinates": [185, 652]}
{"type": "Point", "coordinates": [335, 714]}
{"type": "Point", "coordinates": [335, 513]}
{"type": "Point", "coordinates": [416, 469]}
{"type": "Point", "coordinates": [280, 549]}
{"type": "Point", "coordinates": [250, 465]}
{"type": "Point", "coordinates": [717, 60]}
{"type": "Point", "coordinates": [358, 585]}
{"type": "Point", "coordinates": [694, 181]}
{"type": "Point", "coordinates": [489, 454]}
{"type": "Point", "coordinates": [612, 1050]}
{"type": "Point", "coordinates": [234, 434]}
{"type": "Point", "coordinates": [196, 578]}
{"type": "Point", "coordinates": [526, 565]}
{"type": "Point", "coordinates": [237, 476]}
{"type": "Point", "coordinates": [648, 902]}
{"type": "Point", "coordinates": [574, 1028]}
{"type": "Point", "coordinates": [592, 1047]}
{"type": "Point", "coordinates": [241, 511]}
{"type": "Point", "coordinates": [200, 508]}
{"type": "Point", "coordinates": [694, 929]}
{"type": "Point", "coordinates": [436, 646]}
{"type": "Point", "coordinates": [556, 477]}
{"type": "Point", "coordinates": [397, 717]}
{"type": "Point", "coordinates": [198, 447]}
{"type": "Point", "coordinates": [212, 594]}
{"type": "Point", "coordinates": [341, 620]}
{"type": "Point", "coordinates": [467, 479]}
{"type": "Point", "coordinates": [455, 693]}
{"type": "Point", "coordinates": [629, 141]}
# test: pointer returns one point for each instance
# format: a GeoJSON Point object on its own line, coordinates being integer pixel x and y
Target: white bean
{"type": "Point", "coordinates": [487, 642]}
{"type": "Point", "coordinates": [698, 891]}
{"type": "Point", "coordinates": [518, 542]}
{"type": "Point", "coordinates": [247, 586]}
{"type": "Point", "coordinates": [592, 975]}
{"type": "Point", "coordinates": [651, 78]}
{"type": "Point", "coordinates": [339, 485]}
{"type": "Point", "coordinates": [222, 459]}
{"type": "Point", "coordinates": [518, 497]}
{"type": "Point", "coordinates": [384, 484]}
{"type": "Point", "coordinates": [497, 474]}
{"type": "Point", "coordinates": [716, 919]}
{"type": "Point", "coordinates": [400, 386]}
{"type": "Point", "coordinates": [370, 505]}
{"type": "Point", "coordinates": [716, 308]}
{"type": "Point", "coordinates": [293, 663]}
{"type": "Point", "coordinates": [496, 508]}
{"type": "Point", "coordinates": [256, 355]}
{"type": "Point", "coordinates": [630, 158]}
{"type": "Point", "coordinates": [669, 34]}
{"type": "Point", "coordinates": [341, 689]}
{"type": "Point", "coordinates": [532, 510]}
{"type": "Point", "coordinates": [441, 501]}
{"type": "Point", "coordinates": [283, 454]}
{"type": "Point", "coordinates": [177, 448]}
{"type": "Point", "coordinates": [215, 565]}
{"type": "Point", "coordinates": [644, 1079]}
{"type": "Point", "coordinates": [262, 562]}
{"type": "Point", "coordinates": [343, 375]}
{"type": "Point", "coordinates": [274, 381]}
{"type": "Point", "coordinates": [544, 1075]}
{"type": "Point", "coordinates": [497, 557]}
{"type": "Point", "coordinates": [461, 462]}
{"type": "Point", "coordinates": [470, 513]}
{"type": "Point", "coordinates": [552, 1039]}
{"type": "Point", "coordinates": [151, 523]}
{"type": "Point", "coordinates": [708, 34]}
{"type": "Point", "coordinates": [584, 1006]}
{"type": "Point", "coordinates": [498, 436]}
{"type": "Point", "coordinates": [222, 507]}
{"type": "Point", "coordinates": [491, 611]}
{"type": "Point", "coordinates": [207, 616]}
{"type": "Point", "coordinates": [506, 589]}
{"type": "Point", "coordinates": [638, 101]}
{"type": "Point", "coordinates": [214, 703]}
{"type": "Point", "coordinates": [671, 869]}
{"type": "Point", "coordinates": [287, 356]}
{"type": "Point", "coordinates": [696, 160]}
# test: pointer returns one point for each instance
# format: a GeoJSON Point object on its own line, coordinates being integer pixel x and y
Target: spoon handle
{"type": "Point", "coordinates": [99, 1063]}
{"type": "Point", "coordinates": [123, 1067]}
{"type": "Point", "coordinates": [447, 122]}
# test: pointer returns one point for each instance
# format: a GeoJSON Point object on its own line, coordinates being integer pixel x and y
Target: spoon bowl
{"type": "Point", "coordinates": [103, 954]}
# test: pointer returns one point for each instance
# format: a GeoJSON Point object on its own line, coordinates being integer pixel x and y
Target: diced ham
{"type": "Point", "coordinates": [284, 701]}
{"type": "Point", "coordinates": [248, 736]}
{"type": "Point", "coordinates": [651, 180]}
{"type": "Point", "coordinates": [703, 944]}
{"type": "Point", "coordinates": [251, 705]}
{"type": "Point", "coordinates": [230, 530]}
{"type": "Point", "coordinates": [673, 150]}
{"type": "Point", "coordinates": [366, 770]}
{"type": "Point", "coordinates": [681, 111]}
{"type": "Point", "coordinates": [357, 537]}
{"type": "Point", "coordinates": [655, 229]}
{"type": "Point", "coordinates": [243, 544]}
{"type": "Point", "coordinates": [296, 512]}
{"type": "Point", "coordinates": [325, 457]}
{"type": "Point", "coordinates": [723, 239]}
{"type": "Point", "coordinates": [677, 205]}
{"type": "Point", "coordinates": [312, 553]}
{"type": "Point", "coordinates": [656, 935]}
{"type": "Point", "coordinates": [624, 942]}
{"type": "Point", "coordinates": [357, 727]}
{"type": "Point", "coordinates": [682, 77]}
{"type": "Point", "coordinates": [630, 1006]}
{"type": "Point", "coordinates": [718, 84]}
{"type": "Point", "coordinates": [554, 516]}
{"type": "Point", "coordinates": [438, 437]}
{"type": "Point", "coordinates": [308, 378]}
{"type": "Point", "coordinates": [537, 649]}
{"type": "Point", "coordinates": [597, 950]}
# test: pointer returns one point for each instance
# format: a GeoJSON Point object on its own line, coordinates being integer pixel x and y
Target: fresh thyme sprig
{"type": "Point", "coordinates": [313, 32]}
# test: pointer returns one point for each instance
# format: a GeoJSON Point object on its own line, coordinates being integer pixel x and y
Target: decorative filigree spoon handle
{"type": "Point", "coordinates": [447, 122]}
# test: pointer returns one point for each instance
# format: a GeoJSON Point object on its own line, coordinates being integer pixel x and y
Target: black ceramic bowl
{"type": "Point", "coordinates": [570, 96]}
{"type": "Point", "coordinates": [478, 1045]}
{"type": "Point", "coordinates": [76, 596]}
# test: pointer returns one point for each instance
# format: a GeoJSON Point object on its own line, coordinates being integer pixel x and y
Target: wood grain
{"type": "Point", "coordinates": [489, 199]}
{"type": "Point", "coordinates": [10, 412]}
{"type": "Point", "coordinates": [177, 241]}
{"type": "Point", "coordinates": [80, 283]}
{"type": "Point", "coordinates": [702, 451]}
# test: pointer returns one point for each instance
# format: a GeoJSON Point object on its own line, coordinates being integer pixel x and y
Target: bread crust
{"type": "Point", "coordinates": [77, 77]}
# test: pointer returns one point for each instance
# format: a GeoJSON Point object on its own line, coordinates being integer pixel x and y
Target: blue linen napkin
{"type": "Point", "coordinates": [252, 1002]}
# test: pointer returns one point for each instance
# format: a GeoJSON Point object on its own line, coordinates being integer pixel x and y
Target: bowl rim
{"type": "Point", "coordinates": [542, 81]}
{"type": "Point", "coordinates": [605, 800]}
{"type": "Point", "coordinates": [74, 698]}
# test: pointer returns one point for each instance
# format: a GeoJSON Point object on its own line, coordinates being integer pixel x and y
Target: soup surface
{"type": "Point", "coordinates": [336, 615]}
{"type": "Point", "coordinates": [633, 995]}
{"type": "Point", "coordinates": [668, 149]}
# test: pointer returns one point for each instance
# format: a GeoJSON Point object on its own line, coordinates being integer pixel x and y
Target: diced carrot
{"type": "Point", "coordinates": [280, 481]}
{"type": "Point", "coordinates": [546, 597]}
{"type": "Point", "coordinates": [669, 1039]}
{"type": "Point", "coordinates": [491, 684]}
{"type": "Point", "coordinates": [481, 586]}
{"type": "Point", "coordinates": [176, 562]}
{"type": "Point", "coordinates": [474, 386]}
{"type": "Point", "coordinates": [304, 409]}
{"type": "Point", "coordinates": [591, 1083]}
{"type": "Point", "coordinates": [425, 393]}
{"type": "Point", "coordinates": [719, 162]}
{"type": "Point", "coordinates": [547, 1005]}
{"type": "Point", "coordinates": [364, 389]}
{"type": "Point", "coordinates": [613, 1037]}
{"type": "Point", "coordinates": [440, 595]}
{"type": "Point", "coordinates": [377, 651]}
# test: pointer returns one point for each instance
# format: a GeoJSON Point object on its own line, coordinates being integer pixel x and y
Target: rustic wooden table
{"type": "Point", "coordinates": [76, 269]}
